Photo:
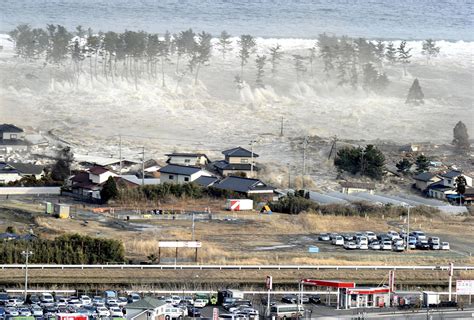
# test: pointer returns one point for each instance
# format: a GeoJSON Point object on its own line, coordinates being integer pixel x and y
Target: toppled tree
{"type": "Point", "coordinates": [415, 94]}
{"type": "Point", "coordinates": [460, 136]}
{"type": "Point", "coordinates": [62, 168]}
{"type": "Point", "coordinates": [260, 64]}
{"type": "Point", "coordinates": [367, 162]}
{"type": "Point", "coordinates": [109, 190]}
{"type": "Point", "coordinates": [422, 163]}
{"type": "Point", "coordinates": [403, 166]}
{"type": "Point", "coordinates": [430, 50]}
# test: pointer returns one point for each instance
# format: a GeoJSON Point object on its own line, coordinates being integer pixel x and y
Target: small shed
{"type": "Point", "coordinates": [48, 208]}
{"type": "Point", "coordinates": [61, 210]}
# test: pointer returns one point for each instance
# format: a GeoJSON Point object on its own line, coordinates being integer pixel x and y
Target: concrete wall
{"type": "Point", "coordinates": [29, 190]}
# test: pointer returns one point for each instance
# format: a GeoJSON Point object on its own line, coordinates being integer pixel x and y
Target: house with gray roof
{"type": "Point", "coordinates": [425, 179]}
{"type": "Point", "coordinates": [173, 173]}
{"type": "Point", "coordinates": [11, 172]}
{"type": "Point", "coordinates": [237, 161]}
{"type": "Point", "coordinates": [205, 181]}
{"type": "Point", "coordinates": [188, 159]}
{"type": "Point", "coordinates": [449, 178]}
{"type": "Point", "coordinates": [247, 186]}
{"type": "Point", "coordinates": [12, 138]}
{"type": "Point", "coordinates": [147, 308]}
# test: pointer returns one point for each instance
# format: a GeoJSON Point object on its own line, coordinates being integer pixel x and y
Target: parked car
{"type": "Point", "coordinates": [194, 312]}
{"type": "Point", "coordinates": [12, 311]}
{"type": "Point", "coordinates": [47, 298]}
{"type": "Point", "coordinates": [397, 247]}
{"type": "Point", "coordinates": [249, 312]}
{"type": "Point", "coordinates": [435, 243]}
{"type": "Point", "coordinates": [292, 298]}
{"type": "Point", "coordinates": [445, 246]}
{"type": "Point", "coordinates": [173, 313]}
{"type": "Point", "coordinates": [398, 242]}
{"type": "Point", "coordinates": [422, 245]}
{"type": "Point", "coordinates": [2, 312]}
{"type": "Point", "coordinates": [133, 297]}
{"type": "Point", "coordinates": [333, 235]}
{"type": "Point", "coordinates": [349, 245]}
{"type": "Point", "coordinates": [103, 312]}
{"type": "Point", "coordinates": [201, 303]}
{"type": "Point", "coordinates": [3, 298]}
{"type": "Point", "coordinates": [85, 300]}
{"type": "Point", "coordinates": [375, 245]}
{"type": "Point", "coordinates": [393, 235]}
{"type": "Point", "coordinates": [116, 312]}
{"type": "Point", "coordinates": [25, 312]}
{"type": "Point", "coordinates": [37, 311]}
{"type": "Point", "coordinates": [363, 246]}
{"type": "Point", "coordinates": [338, 241]}
{"type": "Point", "coordinates": [122, 301]}
{"type": "Point", "coordinates": [348, 237]}
{"type": "Point", "coordinates": [315, 298]}
{"type": "Point", "coordinates": [370, 235]}
{"type": "Point", "coordinates": [419, 235]}
{"type": "Point", "coordinates": [386, 245]}
{"type": "Point", "coordinates": [324, 237]}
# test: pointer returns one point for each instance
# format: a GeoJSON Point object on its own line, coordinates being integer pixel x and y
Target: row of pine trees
{"type": "Point", "coordinates": [135, 55]}
{"type": "Point", "coordinates": [65, 249]}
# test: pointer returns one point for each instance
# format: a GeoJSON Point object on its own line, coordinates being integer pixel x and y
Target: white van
{"type": "Point", "coordinates": [47, 298]}
{"type": "Point", "coordinates": [281, 311]}
{"type": "Point", "coordinates": [338, 241]}
{"type": "Point", "coordinates": [173, 313]}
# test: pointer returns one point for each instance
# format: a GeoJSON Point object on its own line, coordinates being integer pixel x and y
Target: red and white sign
{"type": "Point", "coordinates": [215, 314]}
{"type": "Point", "coordinates": [368, 290]}
{"type": "Point", "coordinates": [465, 287]}
{"type": "Point", "coordinates": [269, 282]}
{"type": "Point", "coordinates": [234, 205]}
{"type": "Point", "coordinates": [179, 244]}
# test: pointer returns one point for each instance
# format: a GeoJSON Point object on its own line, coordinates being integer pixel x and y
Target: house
{"type": "Point", "coordinates": [468, 196]}
{"type": "Point", "coordinates": [205, 181]}
{"type": "Point", "coordinates": [247, 186]}
{"type": "Point", "coordinates": [99, 174]}
{"type": "Point", "coordinates": [188, 159]}
{"type": "Point", "coordinates": [138, 181]}
{"type": "Point", "coordinates": [440, 191]}
{"type": "Point", "coordinates": [11, 132]}
{"type": "Point", "coordinates": [147, 308]}
{"type": "Point", "coordinates": [11, 172]}
{"type": "Point", "coordinates": [173, 173]}
{"type": "Point", "coordinates": [353, 187]}
{"type": "Point", "coordinates": [425, 179]}
{"type": "Point", "coordinates": [12, 138]}
{"type": "Point", "coordinates": [449, 178]}
{"type": "Point", "coordinates": [237, 161]}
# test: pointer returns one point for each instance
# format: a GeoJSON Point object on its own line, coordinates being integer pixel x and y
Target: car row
{"type": "Point", "coordinates": [390, 241]}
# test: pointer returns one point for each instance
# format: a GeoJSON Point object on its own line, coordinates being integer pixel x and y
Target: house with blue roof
{"type": "Point", "coordinates": [173, 173]}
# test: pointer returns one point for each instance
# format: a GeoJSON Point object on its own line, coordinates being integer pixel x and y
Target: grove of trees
{"type": "Point", "coordinates": [366, 162]}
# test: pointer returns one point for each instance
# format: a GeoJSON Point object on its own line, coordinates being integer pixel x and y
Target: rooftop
{"type": "Point", "coordinates": [98, 170]}
{"type": "Point", "coordinates": [178, 169]}
{"type": "Point", "coordinates": [239, 152]}
{"type": "Point", "coordinates": [27, 168]}
{"type": "Point", "coordinates": [6, 127]}
{"type": "Point", "coordinates": [224, 165]}
{"type": "Point", "coordinates": [184, 154]}
{"type": "Point", "coordinates": [240, 184]}
{"type": "Point", "coordinates": [425, 176]}
{"type": "Point", "coordinates": [205, 181]}
{"type": "Point", "coordinates": [451, 174]}
{"type": "Point", "coordinates": [147, 303]}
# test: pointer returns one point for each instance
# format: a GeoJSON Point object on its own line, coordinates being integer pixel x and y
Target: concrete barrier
{"type": "Point", "coordinates": [30, 191]}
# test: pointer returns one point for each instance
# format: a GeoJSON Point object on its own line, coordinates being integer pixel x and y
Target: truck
{"type": "Point", "coordinates": [430, 299]}
{"type": "Point", "coordinates": [239, 204]}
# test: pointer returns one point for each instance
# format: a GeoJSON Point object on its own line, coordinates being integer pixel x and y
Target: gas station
{"type": "Point", "coordinates": [349, 296]}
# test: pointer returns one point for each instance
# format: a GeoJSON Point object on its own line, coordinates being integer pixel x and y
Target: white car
{"type": "Point", "coordinates": [363, 246]}
{"type": "Point", "coordinates": [398, 247]}
{"type": "Point", "coordinates": [349, 245]}
{"type": "Point", "coordinates": [86, 300]}
{"type": "Point", "coordinates": [173, 313]}
{"type": "Point", "coordinates": [387, 245]}
{"type": "Point", "coordinates": [374, 245]}
{"type": "Point", "coordinates": [445, 246]}
{"type": "Point", "coordinates": [115, 312]}
{"type": "Point", "coordinates": [103, 312]}
{"type": "Point", "coordinates": [200, 303]}
{"type": "Point", "coordinates": [398, 242]}
{"type": "Point", "coordinates": [175, 300]}
{"type": "Point", "coordinates": [370, 235]}
{"type": "Point", "coordinates": [338, 241]}
{"type": "Point", "coordinates": [37, 311]}
{"type": "Point", "coordinates": [47, 298]}
{"type": "Point", "coordinates": [393, 235]}
{"type": "Point", "coordinates": [419, 235]}
{"type": "Point", "coordinates": [25, 312]}
{"type": "Point", "coordinates": [12, 311]}
{"type": "Point", "coordinates": [14, 302]}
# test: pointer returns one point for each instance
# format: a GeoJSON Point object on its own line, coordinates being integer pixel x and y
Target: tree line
{"type": "Point", "coordinates": [134, 55]}
{"type": "Point", "coordinates": [65, 249]}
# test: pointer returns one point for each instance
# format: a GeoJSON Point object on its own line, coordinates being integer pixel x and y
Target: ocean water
{"type": "Point", "coordinates": [385, 19]}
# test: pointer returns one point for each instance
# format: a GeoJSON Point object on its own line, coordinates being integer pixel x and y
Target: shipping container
{"type": "Point", "coordinates": [239, 204]}
{"type": "Point", "coordinates": [61, 210]}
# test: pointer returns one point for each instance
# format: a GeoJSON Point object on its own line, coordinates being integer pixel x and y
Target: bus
{"type": "Point", "coordinates": [286, 311]}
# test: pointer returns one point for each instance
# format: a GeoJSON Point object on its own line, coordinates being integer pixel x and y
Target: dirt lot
{"type": "Point", "coordinates": [246, 238]}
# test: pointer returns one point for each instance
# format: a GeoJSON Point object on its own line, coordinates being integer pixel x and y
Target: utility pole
{"type": "Point", "coordinates": [143, 166]}
{"type": "Point", "coordinates": [289, 176]}
{"type": "Point", "coordinates": [305, 144]}
{"type": "Point", "coordinates": [26, 254]}
{"type": "Point", "coordinates": [120, 154]}
{"type": "Point", "coordinates": [281, 127]}
{"type": "Point", "coordinates": [408, 229]}
{"type": "Point", "coordinates": [251, 157]}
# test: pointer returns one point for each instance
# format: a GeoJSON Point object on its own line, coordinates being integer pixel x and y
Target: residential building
{"type": "Point", "coordinates": [173, 173]}
{"type": "Point", "coordinates": [449, 178]}
{"type": "Point", "coordinates": [353, 187]}
{"type": "Point", "coordinates": [12, 138]}
{"type": "Point", "coordinates": [440, 191]}
{"type": "Point", "coordinates": [147, 308]}
{"type": "Point", "coordinates": [99, 174]}
{"type": "Point", "coordinates": [11, 172]}
{"type": "Point", "coordinates": [188, 159]}
{"type": "Point", "coordinates": [205, 181]}
{"type": "Point", "coordinates": [238, 161]}
{"type": "Point", "coordinates": [425, 179]}
{"type": "Point", "coordinates": [8, 173]}
{"type": "Point", "coordinates": [248, 187]}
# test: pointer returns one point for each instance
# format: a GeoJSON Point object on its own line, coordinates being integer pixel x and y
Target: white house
{"type": "Point", "coordinates": [11, 132]}
{"type": "Point", "coordinates": [99, 175]}
{"type": "Point", "coordinates": [188, 159]}
{"type": "Point", "coordinates": [11, 172]}
{"type": "Point", "coordinates": [8, 173]}
{"type": "Point", "coordinates": [425, 179]}
{"type": "Point", "coordinates": [147, 308]}
{"type": "Point", "coordinates": [439, 191]}
{"type": "Point", "coordinates": [449, 178]}
{"type": "Point", "coordinates": [173, 173]}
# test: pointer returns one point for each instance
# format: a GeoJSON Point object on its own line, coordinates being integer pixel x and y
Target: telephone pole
{"type": "Point", "coordinates": [305, 144]}
{"type": "Point", "coordinates": [281, 127]}
{"type": "Point", "coordinates": [251, 158]}
{"type": "Point", "coordinates": [120, 154]}
{"type": "Point", "coordinates": [143, 166]}
{"type": "Point", "coordinates": [26, 254]}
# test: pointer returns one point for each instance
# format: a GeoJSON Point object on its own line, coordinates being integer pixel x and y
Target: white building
{"type": "Point", "coordinates": [181, 174]}
{"type": "Point", "coordinates": [449, 178]}
{"type": "Point", "coordinates": [188, 159]}
{"type": "Point", "coordinates": [99, 175]}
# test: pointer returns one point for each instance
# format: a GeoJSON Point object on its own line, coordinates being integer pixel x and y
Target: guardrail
{"type": "Point", "coordinates": [230, 267]}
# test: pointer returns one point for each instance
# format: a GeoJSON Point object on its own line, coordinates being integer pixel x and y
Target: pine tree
{"type": "Point", "coordinates": [201, 53]}
{"type": "Point", "coordinates": [276, 55]}
{"type": "Point", "coordinates": [391, 53]}
{"type": "Point", "coordinates": [380, 53]}
{"type": "Point", "coordinates": [415, 94]}
{"type": "Point", "coordinates": [299, 66]}
{"type": "Point", "coordinates": [430, 50]}
{"type": "Point", "coordinates": [422, 163]}
{"type": "Point", "coordinates": [328, 56]}
{"type": "Point", "coordinates": [224, 43]}
{"type": "Point", "coordinates": [109, 190]}
{"type": "Point", "coordinates": [247, 45]}
{"type": "Point", "coordinates": [403, 166]}
{"type": "Point", "coordinates": [404, 56]}
{"type": "Point", "coordinates": [461, 136]}
{"type": "Point", "coordinates": [260, 64]}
